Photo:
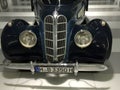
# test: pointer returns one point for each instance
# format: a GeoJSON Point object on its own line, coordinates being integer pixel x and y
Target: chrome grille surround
{"type": "Point", "coordinates": [55, 31]}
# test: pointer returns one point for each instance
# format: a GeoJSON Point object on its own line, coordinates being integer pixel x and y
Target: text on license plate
{"type": "Point", "coordinates": [55, 69]}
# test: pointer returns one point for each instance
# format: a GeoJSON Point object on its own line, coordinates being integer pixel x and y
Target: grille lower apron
{"type": "Point", "coordinates": [55, 37]}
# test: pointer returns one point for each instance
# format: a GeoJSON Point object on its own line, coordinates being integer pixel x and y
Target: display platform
{"type": "Point", "coordinates": [24, 80]}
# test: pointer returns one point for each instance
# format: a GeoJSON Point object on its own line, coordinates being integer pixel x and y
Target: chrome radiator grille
{"type": "Point", "coordinates": [55, 37]}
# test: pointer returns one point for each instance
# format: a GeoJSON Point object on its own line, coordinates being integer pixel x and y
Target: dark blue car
{"type": "Point", "coordinates": [62, 39]}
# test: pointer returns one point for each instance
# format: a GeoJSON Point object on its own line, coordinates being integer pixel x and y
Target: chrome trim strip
{"type": "Point", "coordinates": [49, 32]}
{"type": "Point", "coordinates": [62, 39]}
{"type": "Point", "coordinates": [49, 47]}
{"type": "Point", "coordinates": [60, 31]}
{"type": "Point", "coordinates": [49, 23]}
{"type": "Point", "coordinates": [60, 55]}
{"type": "Point", "coordinates": [55, 37]}
{"type": "Point", "coordinates": [61, 47]}
{"type": "Point", "coordinates": [53, 56]}
{"type": "Point", "coordinates": [49, 55]}
{"type": "Point", "coordinates": [62, 22]}
{"type": "Point", "coordinates": [49, 40]}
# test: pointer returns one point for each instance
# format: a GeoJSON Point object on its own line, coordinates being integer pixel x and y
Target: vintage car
{"type": "Point", "coordinates": [61, 40]}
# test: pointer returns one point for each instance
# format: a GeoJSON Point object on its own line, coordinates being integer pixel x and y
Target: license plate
{"type": "Point", "coordinates": [55, 69]}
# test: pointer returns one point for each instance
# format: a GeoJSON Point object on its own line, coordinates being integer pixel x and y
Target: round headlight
{"type": "Point", "coordinates": [83, 38]}
{"type": "Point", "coordinates": [28, 39]}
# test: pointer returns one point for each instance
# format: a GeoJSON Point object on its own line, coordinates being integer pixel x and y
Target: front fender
{"type": "Point", "coordinates": [11, 46]}
{"type": "Point", "coordinates": [101, 45]}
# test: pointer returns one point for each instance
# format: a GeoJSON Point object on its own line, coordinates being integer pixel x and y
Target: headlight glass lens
{"type": "Point", "coordinates": [28, 39]}
{"type": "Point", "coordinates": [83, 38]}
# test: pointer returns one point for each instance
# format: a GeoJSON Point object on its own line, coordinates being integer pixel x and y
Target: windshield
{"type": "Point", "coordinates": [56, 2]}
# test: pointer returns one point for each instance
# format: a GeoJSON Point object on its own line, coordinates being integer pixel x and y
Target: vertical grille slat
{"type": "Point", "coordinates": [55, 37]}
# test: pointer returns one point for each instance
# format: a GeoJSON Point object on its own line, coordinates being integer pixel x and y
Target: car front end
{"type": "Point", "coordinates": [62, 39]}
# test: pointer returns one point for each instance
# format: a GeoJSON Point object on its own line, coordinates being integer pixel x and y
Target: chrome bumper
{"type": "Point", "coordinates": [76, 66]}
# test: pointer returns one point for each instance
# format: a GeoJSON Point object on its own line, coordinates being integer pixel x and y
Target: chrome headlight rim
{"type": "Point", "coordinates": [87, 33]}
{"type": "Point", "coordinates": [27, 32]}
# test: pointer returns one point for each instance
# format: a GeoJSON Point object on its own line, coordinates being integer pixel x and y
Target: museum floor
{"type": "Point", "coordinates": [107, 80]}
